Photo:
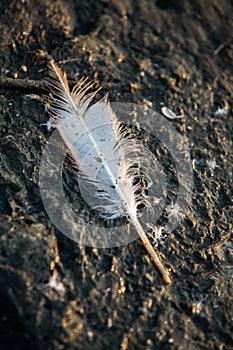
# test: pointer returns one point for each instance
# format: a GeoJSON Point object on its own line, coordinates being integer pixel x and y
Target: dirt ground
{"type": "Point", "coordinates": [56, 294]}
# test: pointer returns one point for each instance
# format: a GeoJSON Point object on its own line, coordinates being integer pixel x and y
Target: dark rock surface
{"type": "Point", "coordinates": [178, 53]}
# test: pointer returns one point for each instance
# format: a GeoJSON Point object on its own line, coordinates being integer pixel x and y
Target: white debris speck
{"type": "Point", "coordinates": [147, 103]}
{"type": "Point", "coordinates": [157, 234]}
{"type": "Point", "coordinates": [55, 283]}
{"type": "Point", "coordinates": [49, 124]}
{"type": "Point", "coordinates": [137, 125]}
{"type": "Point", "coordinates": [33, 96]}
{"type": "Point", "coordinates": [218, 49]}
{"type": "Point", "coordinates": [197, 306]}
{"type": "Point", "coordinates": [156, 200]}
{"type": "Point", "coordinates": [211, 163]}
{"type": "Point", "coordinates": [168, 113]}
{"type": "Point", "coordinates": [194, 164]}
{"type": "Point", "coordinates": [203, 163]}
{"type": "Point", "coordinates": [221, 112]}
{"type": "Point", "coordinates": [175, 211]}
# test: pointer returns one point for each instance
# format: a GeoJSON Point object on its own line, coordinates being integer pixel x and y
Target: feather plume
{"type": "Point", "coordinates": [93, 135]}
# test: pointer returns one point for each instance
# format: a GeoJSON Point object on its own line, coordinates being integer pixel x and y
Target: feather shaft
{"type": "Point", "coordinates": [151, 250]}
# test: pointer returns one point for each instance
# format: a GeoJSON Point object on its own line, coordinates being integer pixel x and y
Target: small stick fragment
{"type": "Point", "coordinates": [25, 85]}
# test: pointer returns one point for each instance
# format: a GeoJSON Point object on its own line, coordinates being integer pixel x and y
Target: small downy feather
{"type": "Point", "coordinates": [91, 140]}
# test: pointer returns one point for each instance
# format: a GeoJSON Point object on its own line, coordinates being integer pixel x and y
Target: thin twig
{"type": "Point", "coordinates": [23, 85]}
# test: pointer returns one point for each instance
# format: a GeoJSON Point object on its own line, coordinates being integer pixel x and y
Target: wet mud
{"type": "Point", "coordinates": [57, 294]}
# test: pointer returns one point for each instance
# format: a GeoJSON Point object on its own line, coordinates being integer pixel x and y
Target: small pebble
{"type": "Point", "coordinates": [24, 68]}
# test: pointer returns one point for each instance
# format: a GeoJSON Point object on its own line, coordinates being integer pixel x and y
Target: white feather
{"type": "Point", "coordinates": [107, 159]}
